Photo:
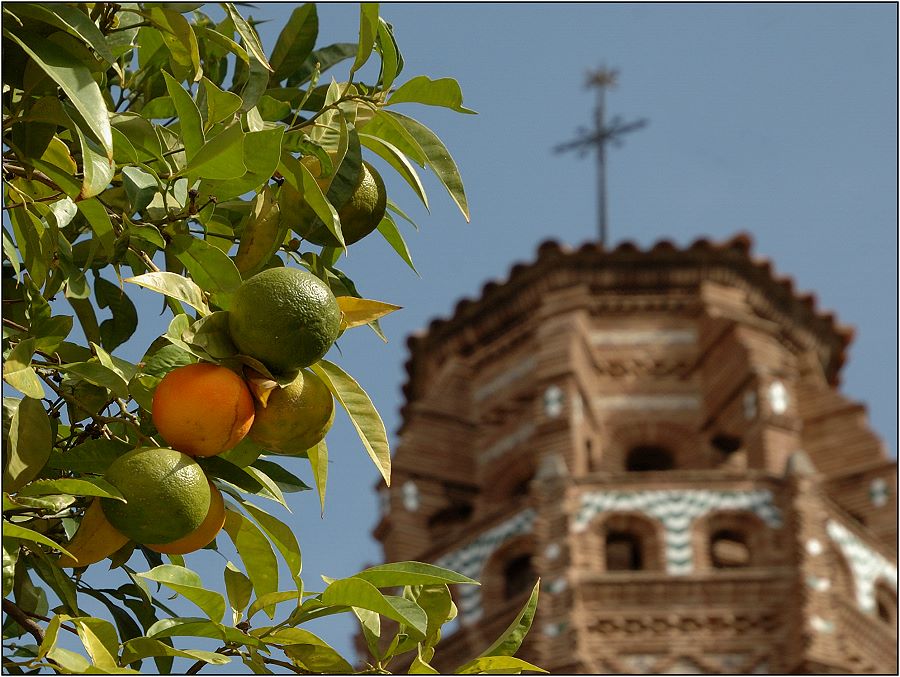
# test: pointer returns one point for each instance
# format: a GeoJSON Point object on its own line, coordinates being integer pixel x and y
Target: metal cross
{"type": "Point", "coordinates": [599, 137]}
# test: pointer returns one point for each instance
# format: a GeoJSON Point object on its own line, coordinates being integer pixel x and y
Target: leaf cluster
{"type": "Point", "coordinates": [148, 144]}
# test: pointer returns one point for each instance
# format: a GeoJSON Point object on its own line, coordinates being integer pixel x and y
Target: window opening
{"type": "Point", "coordinates": [728, 549]}
{"type": "Point", "coordinates": [623, 552]}
{"type": "Point", "coordinates": [646, 458]}
{"type": "Point", "coordinates": [518, 576]}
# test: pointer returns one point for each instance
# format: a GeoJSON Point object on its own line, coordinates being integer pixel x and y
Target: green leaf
{"type": "Point", "coordinates": [115, 331]}
{"type": "Point", "coordinates": [11, 530]}
{"type": "Point", "coordinates": [439, 159]}
{"type": "Point", "coordinates": [100, 639]}
{"type": "Point", "coordinates": [504, 665]}
{"type": "Point", "coordinates": [255, 552]}
{"type": "Point", "coordinates": [511, 639]}
{"type": "Point", "coordinates": [368, 31]}
{"type": "Point", "coordinates": [389, 231]}
{"type": "Point", "coordinates": [362, 414]}
{"type": "Point", "coordinates": [91, 456]}
{"type": "Point", "coordinates": [411, 573]}
{"type": "Point", "coordinates": [282, 536]}
{"type": "Point", "coordinates": [295, 42]}
{"type": "Point", "coordinates": [69, 19]}
{"type": "Point", "coordinates": [318, 461]}
{"type": "Point", "coordinates": [140, 187]}
{"type": "Point", "coordinates": [98, 170]}
{"type": "Point", "coordinates": [419, 666]}
{"type": "Point", "coordinates": [261, 235]}
{"type": "Point", "coordinates": [188, 584]}
{"type": "Point", "coordinates": [287, 481]}
{"type": "Point", "coordinates": [248, 34]}
{"type": "Point", "coordinates": [221, 157]}
{"type": "Point", "coordinates": [216, 466]}
{"type": "Point", "coordinates": [85, 486]}
{"type": "Point", "coordinates": [28, 444]}
{"type": "Point", "coordinates": [268, 602]}
{"type": "Point", "coordinates": [33, 240]}
{"type": "Point", "coordinates": [308, 651]}
{"type": "Point", "coordinates": [10, 557]}
{"type": "Point", "coordinates": [302, 180]}
{"type": "Point", "coordinates": [180, 40]}
{"type": "Point", "coordinates": [398, 161]}
{"type": "Point", "coordinates": [175, 286]}
{"type": "Point", "coordinates": [146, 647]}
{"type": "Point", "coordinates": [444, 92]}
{"type": "Point", "coordinates": [391, 59]}
{"type": "Point", "coordinates": [326, 57]}
{"type": "Point", "coordinates": [17, 370]}
{"type": "Point", "coordinates": [261, 155]}
{"type": "Point", "coordinates": [199, 627]}
{"type": "Point", "coordinates": [211, 334]}
{"type": "Point", "coordinates": [98, 219]}
{"type": "Point", "coordinates": [99, 375]}
{"type": "Point", "coordinates": [220, 105]}
{"type": "Point", "coordinates": [141, 135]}
{"type": "Point", "coordinates": [359, 593]}
{"type": "Point", "coordinates": [75, 79]}
{"type": "Point", "coordinates": [206, 33]}
{"type": "Point", "coordinates": [209, 266]}
{"type": "Point", "coordinates": [188, 116]}
{"type": "Point", "coordinates": [238, 588]}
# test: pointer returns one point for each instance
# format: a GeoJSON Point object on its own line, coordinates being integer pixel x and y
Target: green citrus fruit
{"type": "Point", "coordinates": [284, 317]}
{"type": "Point", "coordinates": [168, 495]}
{"type": "Point", "coordinates": [360, 214]}
{"type": "Point", "coordinates": [296, 417]}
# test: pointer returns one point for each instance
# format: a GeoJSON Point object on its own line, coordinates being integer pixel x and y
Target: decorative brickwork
{"type": "Point", "coordinates": [660, 437]}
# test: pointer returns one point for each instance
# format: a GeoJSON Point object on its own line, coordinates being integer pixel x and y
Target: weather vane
{"type": "Point", "coordinates": [601, 135]}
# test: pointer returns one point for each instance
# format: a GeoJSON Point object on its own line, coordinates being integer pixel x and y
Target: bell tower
{"type": "Point", "coordinates": [659, 436]}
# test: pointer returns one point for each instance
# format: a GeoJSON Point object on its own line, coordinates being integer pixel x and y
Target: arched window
{"type": "Point", "coordinates": [450, 517]}
{"type": "Point", "coordinates": [728, 549]}
{"type": "Point", "coordinates": [649, 457]}
{"type": "Point", "coordinates": [623, 551]}
{"type": "Point", "coordinates": [518, 576]}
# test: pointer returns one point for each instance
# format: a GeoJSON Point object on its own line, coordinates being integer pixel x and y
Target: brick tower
{"type": "Point", "coordinates": [659, 436]}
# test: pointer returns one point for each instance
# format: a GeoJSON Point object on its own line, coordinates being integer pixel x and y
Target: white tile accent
{"type": "Point", "coordinates": [866, 565]}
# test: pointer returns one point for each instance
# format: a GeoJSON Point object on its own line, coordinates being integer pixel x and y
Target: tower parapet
{"type": "Point", "coordinates": [659, 435]}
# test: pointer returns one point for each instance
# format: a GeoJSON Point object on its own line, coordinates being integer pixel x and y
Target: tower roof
{"type": "Point", "coordinates": [730, 262]}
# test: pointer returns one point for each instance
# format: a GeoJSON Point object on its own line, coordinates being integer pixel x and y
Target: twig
{"type": "Point", "coordinates": [20, 617]}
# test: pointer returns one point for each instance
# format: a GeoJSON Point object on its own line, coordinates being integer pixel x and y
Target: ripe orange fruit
{"type": "Point", "coordinates": [202, 409]}
{"type": "Point", "coordinates": [202, 535]}
{"type": "Point", "coordinates": [296, 417]}
{"type": "Point", "coordinates": [167, 495]}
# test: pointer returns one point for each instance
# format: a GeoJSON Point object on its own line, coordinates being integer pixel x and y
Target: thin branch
{"type": "Point", "coordinates": [20, 617]}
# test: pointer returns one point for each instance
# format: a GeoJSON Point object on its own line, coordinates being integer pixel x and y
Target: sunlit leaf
{"type": "Point", "coordinates": [12, 530]}
{"type": "Point", "coordinates": [362, 412]}
{"type": "Point", "coordinates": [497, 665]}
{"type": "Point", "coordinates": [209, 266]}
{"type": "Point", "coordinates": [295, 42]}
{"type": "Point", "coordinates": [115, 331]}
{"type": "Point", "coordinates": [438, 158]}
{"type": "Point", "coordinates": [98, 219]}
{"type": "Point", "coordinates": [359, 593]}
{"type": "Point", "coordinates": [255, 552]}
{"type": "Point", "coordinates": [368, 31]}
{"type": "Point", "coordinates": [146, 647]}
{"type": "Point", "coordinates": [180, 40]}
{"type": "Point", "coordinates": [28, 444]}
{"type": "Point", "coordinates": [66, 69]}
{"type": "Point", "coordinates": [443, 92]}
{"type": "Point", "coordinates": [410, 573]}
{"type": "Point", "coordinates": [356, 312]}
{"type": "Point", "coordinates": [281, 535]}
{"type": "Point", "coordinates": [18, 372]}
{"type": "Point", "coordinates": [188, 583]}
{"type": "Point", "coordinates": [511, 639]}
{"type": "Point", "coordinates": [174, 285]}
{"type": "Point", "coordinates": [398, 161]}
{"type": "Point", "coordinates": [248, 34]}
{"type": "Point", "coordinates": [188, 116]}
{"type": "Point", "coordinates": [238, 588]}
{"type": "Point", "coordinates": [221, 157]}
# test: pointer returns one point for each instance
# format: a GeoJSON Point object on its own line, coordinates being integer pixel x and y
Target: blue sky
{"type": "Point", "coordinates": [775, 119]}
